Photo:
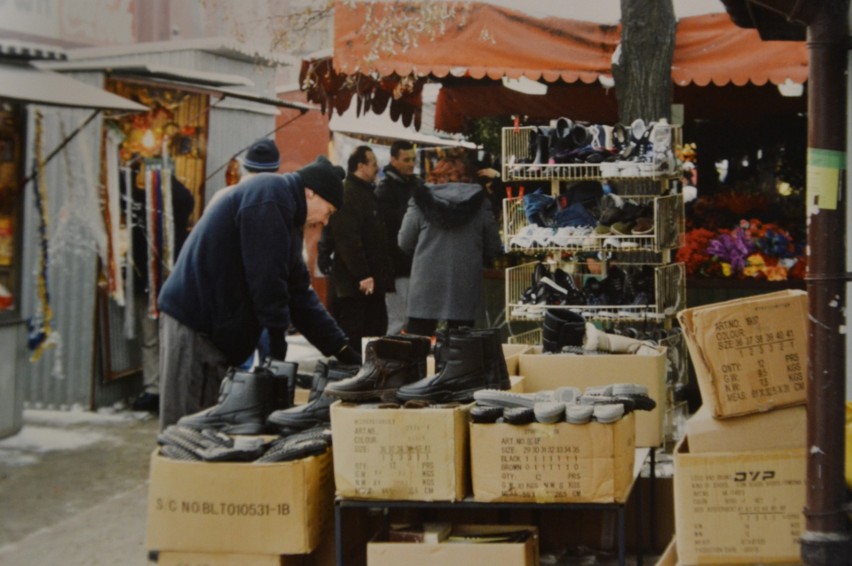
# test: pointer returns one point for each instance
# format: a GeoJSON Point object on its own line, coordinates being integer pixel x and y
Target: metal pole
{"type": "Point", "coordinates": [826, 539]}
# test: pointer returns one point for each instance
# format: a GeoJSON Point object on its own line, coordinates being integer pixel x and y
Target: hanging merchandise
{"type": "Point", "coordinates": [129, 280]}
{"type": "Point", "coordinates": [154, 235]}
{"type": "Point", "coordinates": [39, 325]}
{"type": "Point", "coordinates": [112, 215]}
{"type": "Point", "coordinates": [159, 231]}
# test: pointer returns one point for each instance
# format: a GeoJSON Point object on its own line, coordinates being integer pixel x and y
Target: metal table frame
{"type": "Point", "coordinates": [341, 504]}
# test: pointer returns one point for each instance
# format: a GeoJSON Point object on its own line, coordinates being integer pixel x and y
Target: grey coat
{"type": "Point", "coordinates": [452, 234]}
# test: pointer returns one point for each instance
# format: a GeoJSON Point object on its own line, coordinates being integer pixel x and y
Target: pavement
{"type": "Point", "coordinates": [74, 484]}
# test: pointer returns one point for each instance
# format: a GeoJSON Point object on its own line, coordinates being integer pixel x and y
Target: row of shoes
{"type": "Point", "coordinates": [602, 404]}
{"type": "Point", "coordinates": [261, 400]}
{"type": "Point", "coordinates": [569, 142]}
{"type": "Point", "coordinates": [553, 222]}
{"type": "Point", "coordinates": [631, 286]}
{"type": "Point", "coordinates": [394, 370]}
{"type": "Point", "coordinates": [188, 444]}
{"type": "Point", "coordinates": [466, 360]}
{"type": "Point", "coordinates": [622, 237]}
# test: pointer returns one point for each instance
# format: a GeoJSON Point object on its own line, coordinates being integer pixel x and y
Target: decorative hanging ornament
{"type": "Point", "coordinates": [40, 325]}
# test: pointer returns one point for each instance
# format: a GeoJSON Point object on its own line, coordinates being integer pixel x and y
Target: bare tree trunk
{"type": "Point", "coordinates": [643, 84]}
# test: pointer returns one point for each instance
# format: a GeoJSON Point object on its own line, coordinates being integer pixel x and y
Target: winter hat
{"type": "Point", "coordinates": [324, 179]}
{"type": "Point", "coordinates": [262, 155]}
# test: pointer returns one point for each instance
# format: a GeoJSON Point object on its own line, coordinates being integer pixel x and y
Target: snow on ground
{"type": "Point", "coordinates": [47, 431]}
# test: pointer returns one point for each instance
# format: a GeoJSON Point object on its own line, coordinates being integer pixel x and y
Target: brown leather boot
{"type": "Point", "coordinates": [389, 363]}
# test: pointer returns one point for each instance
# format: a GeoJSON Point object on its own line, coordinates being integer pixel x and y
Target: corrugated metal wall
{"type": "Point", "coordinates": [63, 375]}
{"type": "Point", "coordinates": [71, 374]}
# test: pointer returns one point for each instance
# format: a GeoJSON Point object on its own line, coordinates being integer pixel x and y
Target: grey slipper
{"type": "Point", "coordinates": [609, 413]}
{"type": "Point", "coordinates": [549, 411]}
{"type": "Point", "coordinates": [605, 390]}
{"type": "Point", "coordinates": [629, 389]}
{"type": "Point", "coordinates": [579, 414]}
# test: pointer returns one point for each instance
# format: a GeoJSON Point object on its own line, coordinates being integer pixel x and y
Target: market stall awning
{"type": "Point", "coordinates": [479, 41]}
{"type": "Point", "coordinates": [26, 84]}
{"type": "Point", "coordinates": [152, 71]}
{"type": "Point", "coordinates": [382, 64]}
{"type": "Point", "coordinates": [490, 41]}
{"type": "Point", "coordinates": [217, 84]}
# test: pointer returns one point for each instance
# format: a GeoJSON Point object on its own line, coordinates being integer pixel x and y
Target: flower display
{"type": "Point", "coordinates": [752, 249]}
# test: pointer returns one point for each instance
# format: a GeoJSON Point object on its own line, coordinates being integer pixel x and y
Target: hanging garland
{"type": "Point", "coordinates": [40, 328]}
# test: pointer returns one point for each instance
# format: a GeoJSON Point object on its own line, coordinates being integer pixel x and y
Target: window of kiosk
{"type": "Point", "coordinates": [11, 207]}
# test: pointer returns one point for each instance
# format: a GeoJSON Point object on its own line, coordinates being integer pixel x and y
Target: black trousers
{"type": "Point", "coordinates": [362, 315]}
{"type": "Point", "coordinates": [427, 326]}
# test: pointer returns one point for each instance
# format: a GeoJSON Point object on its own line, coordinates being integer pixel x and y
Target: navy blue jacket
{"type": "Point", "coordinates": [241, 270]}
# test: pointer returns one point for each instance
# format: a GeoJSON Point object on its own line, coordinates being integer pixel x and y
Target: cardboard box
{"type": "Point", "coordinates": [553, 463]}
{"type": "Point", "coordinates": [750, 355]}
{"type": "Point", "coordinates": [239, 508]}
{"type": "Point", "coordinates": [549, 371]}
{"type": "Point", "coordinates": [669, 556]}
{"type": "Point", "coordinates": [748, 433]}
{"type": "Point", "coordinates": [458, 554]}
{"type": "Point", "coordinates": [739, 507]}
{"type": "Point", "coordinates": [512, 353]}
{"type": "Point", "coordinates": [405, 454]}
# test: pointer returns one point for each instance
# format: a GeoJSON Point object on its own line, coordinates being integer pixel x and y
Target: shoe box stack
{"type": "Point", "coordinates": [243, 513]}
{"type": "Point", "coordinates": [740, 470]}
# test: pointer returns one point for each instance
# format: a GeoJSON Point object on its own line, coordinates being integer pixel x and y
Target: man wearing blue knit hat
{"type": "Point", "coordinates": [241, 271]}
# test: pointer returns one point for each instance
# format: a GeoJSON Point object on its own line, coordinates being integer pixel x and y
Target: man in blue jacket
{"type": "Point", "coordinates": [241, 270]}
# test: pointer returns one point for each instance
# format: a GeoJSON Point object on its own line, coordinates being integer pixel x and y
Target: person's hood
{"type": "Point", "coordinates": [393, 173]}
{"type": "Point", "coordinates": [450, 204]}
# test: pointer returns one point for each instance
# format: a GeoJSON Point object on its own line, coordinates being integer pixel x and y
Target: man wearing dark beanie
{"type": "Point", "coordinates": [241, 270]}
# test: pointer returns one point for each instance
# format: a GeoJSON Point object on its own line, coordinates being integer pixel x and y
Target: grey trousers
{"type": "Point", "coordinates": [150, 339]}
{"type": "Point", "coordinates": [191, 369]}
{"type": "Point", "coordinates": [396, 304]}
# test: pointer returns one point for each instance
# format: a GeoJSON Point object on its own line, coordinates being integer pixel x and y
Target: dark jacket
{"type": "Point", "coordinates": [360, 241]}
{"type": "Point", "coordinates": [241, 270]}
{"type": "Point", "coordinates": [452, 234]}
{"type": "Point", "coordinates": [393, 193]}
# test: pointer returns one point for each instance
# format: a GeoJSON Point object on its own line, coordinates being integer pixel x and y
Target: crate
{"type": "Point", "coordinates": [669, 296]}
{"type": "Point", "coordinates": [669, 226]}
{"type": "Point", "coordinates": [516, 151]}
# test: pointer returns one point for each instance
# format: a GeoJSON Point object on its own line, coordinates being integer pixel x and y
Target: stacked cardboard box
{"type": "Point", "coordinates": [221, 513]}
{"type": "Point", "coordinates": [553, 463]}
{"type": "Point", "coordinates": [740, 470]}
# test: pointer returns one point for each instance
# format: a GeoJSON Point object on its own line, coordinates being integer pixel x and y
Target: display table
{"type": "Point", "coordinates": [619, 508]}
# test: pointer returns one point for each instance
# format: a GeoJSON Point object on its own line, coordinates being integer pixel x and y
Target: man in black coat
{"type": "Point", "coordinates": [362, 272]}
{"type": "Point", "coordinates": [394, 192]}
{"type": "Point", "coordinates": [241, 271]}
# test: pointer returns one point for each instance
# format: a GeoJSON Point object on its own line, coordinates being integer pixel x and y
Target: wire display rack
{"type": "Point", "coordinates": [669, 296]}
{"type": "Point", "coordinates": [667, 232]}
{"type": "Point", "coordinates": [518, 166]}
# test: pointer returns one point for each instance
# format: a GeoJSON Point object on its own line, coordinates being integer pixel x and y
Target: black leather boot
{"type": "Point", "coordinates": [493, 360]}
{"type": "Point", "coordinates": [562, 327]}
{"type": "Point", "coordinates": [286, 382]}
{"type": "Point", "coordinates": [245, 401]}
{"type": "Point", "coordinates": [463, 373]}
{"type": "Point", "coordinates": [313, 413]}
{"type": "Point", "coordinates": [422, 348]}
{"type": "Point", "coordinates": [389, 363]}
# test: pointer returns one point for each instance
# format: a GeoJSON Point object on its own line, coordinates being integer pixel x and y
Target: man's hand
{"type": "Point", "coordinates": [348, 355]}
{"type": "Point", "coordinates": [367, 286]}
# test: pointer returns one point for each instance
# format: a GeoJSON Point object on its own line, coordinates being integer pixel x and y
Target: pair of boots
{"type": "Point", "coordinates": [317, 411]}
{"type": "Point", "coordinates": [246, 398]}
{"type": "Point", "coordinates": [394, 369]}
